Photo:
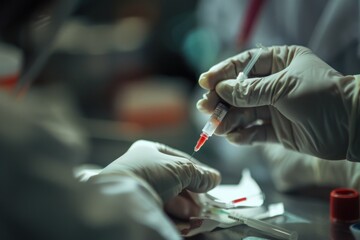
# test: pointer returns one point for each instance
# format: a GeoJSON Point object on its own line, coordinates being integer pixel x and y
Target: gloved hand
{"type": "Point", "coordinates": [166, 170]}
{"type": "Point", "coordinates": [304, 104]}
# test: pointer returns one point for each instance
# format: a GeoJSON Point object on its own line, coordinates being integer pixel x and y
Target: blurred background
{"type": "Point", "coordinates": [129, 69]}
{"type": "Point", "coordinates": [124, 64]}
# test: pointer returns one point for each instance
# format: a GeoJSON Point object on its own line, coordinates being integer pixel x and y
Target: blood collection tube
{"type": "Point", "coordinates": [211, 125]}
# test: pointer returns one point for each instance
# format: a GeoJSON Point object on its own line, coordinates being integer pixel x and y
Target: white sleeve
{"type": "Point", "coordinates": [41, 199]}
{"type": "Point", "coordinates": [130, 205]}
{"type": "Point", "coordinates": [337, 173]}
{"type": "Point", "coordinates": [291, 170]}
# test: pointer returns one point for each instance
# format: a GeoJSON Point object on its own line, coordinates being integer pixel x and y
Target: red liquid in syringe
{"type": "Point", "coordinates": [211, 125]}
{"type": "Point", "coordinates": [200, 142]}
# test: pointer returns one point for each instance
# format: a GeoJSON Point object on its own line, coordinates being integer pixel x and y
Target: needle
{"type": "Point", "coordinates": [192, 155]}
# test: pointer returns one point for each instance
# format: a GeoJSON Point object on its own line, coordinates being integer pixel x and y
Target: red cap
{"type": "Point", "coordinates": [344, 205]}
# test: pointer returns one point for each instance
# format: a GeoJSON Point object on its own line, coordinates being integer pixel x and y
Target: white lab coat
{"type": "Point", "coordinates": [41, 199]}
{"type": "Point", "coordinates": [291, 170]}
{"type": "Point", "coordinates": [330, 28]}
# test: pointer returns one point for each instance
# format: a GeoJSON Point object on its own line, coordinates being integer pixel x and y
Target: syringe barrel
{"type": "Point", "coordinates": [215, 119]}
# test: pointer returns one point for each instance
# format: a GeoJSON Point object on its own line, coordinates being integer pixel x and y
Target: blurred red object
{"type": "Point", "coordinates": [152, 103]}
{"type": "Point", "coordinates": [10, 64]}
{"type": "Point", "coordinates": [344, 205]}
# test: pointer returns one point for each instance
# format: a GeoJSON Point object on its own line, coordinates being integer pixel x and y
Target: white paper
{"type": "Point", "coordinates": [247, 188]}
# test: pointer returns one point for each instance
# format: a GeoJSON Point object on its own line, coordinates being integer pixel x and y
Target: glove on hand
{"type": "Point", "coordinates": [167, 170]}
{"type": "Point", "coordinates": [304, 103]}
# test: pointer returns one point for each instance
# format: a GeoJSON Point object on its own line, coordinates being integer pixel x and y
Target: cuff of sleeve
{"type": "Point", "coordinates": [353, 153]}
{"type": "Point", "coordinates": [84, 172]}
{"type": "Point", "coordinates": [142, 183]}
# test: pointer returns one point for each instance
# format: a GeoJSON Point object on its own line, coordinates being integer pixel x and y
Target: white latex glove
{"type": "Point", "coordinates": [166, 170]}
{"type": "Point", "coordinates": [291, 170]}
{"type": "Point", "coordinates": [305, 104]}
{"type": "Point", "coordinates": [182, 206]}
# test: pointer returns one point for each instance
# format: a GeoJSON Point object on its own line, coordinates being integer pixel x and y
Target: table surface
{"type": "Point", "coordinates": [307, 214]}
{"type": "Point", "coordinates": [306, 211]}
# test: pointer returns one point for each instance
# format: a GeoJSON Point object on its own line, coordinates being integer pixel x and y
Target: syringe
{"type": "Point", "coordinates": [222, 108]}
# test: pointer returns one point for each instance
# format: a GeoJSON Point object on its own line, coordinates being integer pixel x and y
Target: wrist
{"type": "Point", "coordinates": [86, 171]}
{"type": "Point", "coordinates": [127, 174]}
{"type": "Point", "coordinates": [353, 152]}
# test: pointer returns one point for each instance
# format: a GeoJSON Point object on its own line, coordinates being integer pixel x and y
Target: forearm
{"type": "Point", "coordinates": [336, 173]}
{"type": "Point", "coordinates": [57, 206]}
{"type": "Point", "coordinates": [131, 206]}
{"type": "Point", "coordinates": [292, 170]}
{"type": "Point", "coordinates": [92, 173]}
{"type": "Point", "coordinates": [98, 178]}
